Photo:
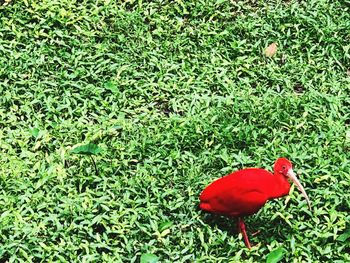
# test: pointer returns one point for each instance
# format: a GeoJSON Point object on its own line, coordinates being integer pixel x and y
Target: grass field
{"type": "Point", "coordinates": [176, 94]}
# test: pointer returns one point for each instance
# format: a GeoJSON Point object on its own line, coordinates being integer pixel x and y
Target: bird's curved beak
{"type": "Point", "coordinates": [291, 175]}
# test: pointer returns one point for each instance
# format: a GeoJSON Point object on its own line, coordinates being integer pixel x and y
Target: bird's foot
{"type": "Point", "coordinates": [256, 233]}
{"type": "Point", "coordinates": [255, 246]}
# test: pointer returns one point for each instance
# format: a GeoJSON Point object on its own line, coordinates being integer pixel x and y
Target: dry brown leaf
{"type": "Point", "coordinates": [271, 50]}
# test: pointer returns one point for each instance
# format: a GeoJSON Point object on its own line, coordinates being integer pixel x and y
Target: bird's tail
{"type": "Point", "coordinates": [204, 206]}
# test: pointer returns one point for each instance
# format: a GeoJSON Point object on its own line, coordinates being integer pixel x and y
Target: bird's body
{"type": "Point", "coordinates": [244, 192]}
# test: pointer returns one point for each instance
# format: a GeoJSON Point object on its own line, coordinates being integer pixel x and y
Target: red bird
{"type": "Point", "coordinates": [244, 192]}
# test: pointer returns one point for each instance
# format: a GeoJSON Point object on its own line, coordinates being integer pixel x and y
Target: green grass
{"type": "Point", "coordinates": [176, 94]}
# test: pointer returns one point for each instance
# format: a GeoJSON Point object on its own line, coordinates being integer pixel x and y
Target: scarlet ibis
{"type": "Point", "coordinates": [244, 192]}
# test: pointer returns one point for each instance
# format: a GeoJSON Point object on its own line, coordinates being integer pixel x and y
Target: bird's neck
{"type": "Point", "coordinates": [281, 186]}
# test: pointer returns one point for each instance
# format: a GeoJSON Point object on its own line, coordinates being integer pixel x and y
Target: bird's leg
{"type": "Point", "coordinates": [241, 227]}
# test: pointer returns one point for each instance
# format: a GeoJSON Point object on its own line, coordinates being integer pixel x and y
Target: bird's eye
{"type": "Point", "coordinates": [284, 167]}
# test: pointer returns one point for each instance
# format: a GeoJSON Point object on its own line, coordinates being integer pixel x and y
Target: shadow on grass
{"type": "Point", "coordinates": [276, 229]}
{"type": "Point", "coordinates": [221, 222]}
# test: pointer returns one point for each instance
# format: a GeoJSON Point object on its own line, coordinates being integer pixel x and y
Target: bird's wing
{"type": "Point", "coordinates": [238, 194]}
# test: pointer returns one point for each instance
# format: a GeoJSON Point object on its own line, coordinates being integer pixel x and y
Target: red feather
{"type": "Point", "coordinates": [240, 193]}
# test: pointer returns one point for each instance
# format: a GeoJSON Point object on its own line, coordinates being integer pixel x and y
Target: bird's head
{"type": "Point", "coordinates": [284, 167]}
